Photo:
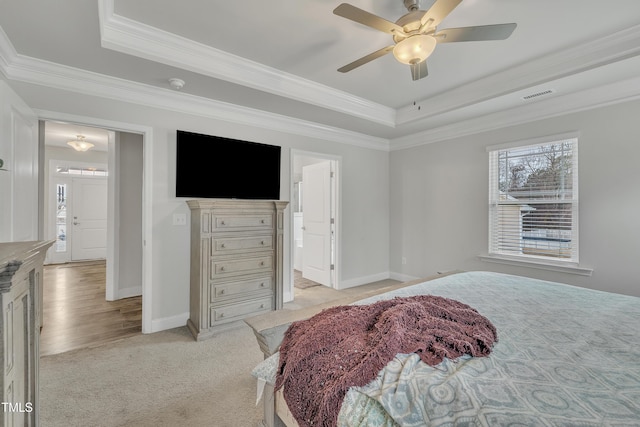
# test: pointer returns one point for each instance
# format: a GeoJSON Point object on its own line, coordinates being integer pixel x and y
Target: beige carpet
{"type": "Point", "coordinates": [160, 379]}
{"type": "Point", "coordinates": [166, 378]}
{"type": "Point", "coordinates": [302, 283]}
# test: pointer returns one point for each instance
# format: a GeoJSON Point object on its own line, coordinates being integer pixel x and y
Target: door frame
{"type": "Point", "coordinates": [336, 197]}
{"type": "Point", "coordinates": [147, 199]}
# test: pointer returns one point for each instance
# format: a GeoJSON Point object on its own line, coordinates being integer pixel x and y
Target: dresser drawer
{"type": "Point", "coordinates": [222, 245]}
{"type": "Point", "coordinates": [228, 267]}
{"type": "Point", "coordinates": [240, 288]}
{"type": "Point", "coordinates": [220, 222]}
{"type": "Point", "coordinates": [231, 312]}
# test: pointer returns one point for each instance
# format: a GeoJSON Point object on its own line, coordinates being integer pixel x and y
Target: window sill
{"type": "Point", "coordinates": [520, 262]}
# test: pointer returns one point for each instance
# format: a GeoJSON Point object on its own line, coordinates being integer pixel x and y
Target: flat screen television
{"type": "Point", "coordinates": [216, 167]}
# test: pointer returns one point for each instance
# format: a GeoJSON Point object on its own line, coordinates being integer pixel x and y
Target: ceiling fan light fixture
{"type": "Point", "coordinates": [79, 144]}
{"type": "Point", "coordinates": [414, 49]}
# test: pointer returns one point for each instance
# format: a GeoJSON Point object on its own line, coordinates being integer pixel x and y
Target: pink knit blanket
{"type": "Point", "coordinates": [345, 346]}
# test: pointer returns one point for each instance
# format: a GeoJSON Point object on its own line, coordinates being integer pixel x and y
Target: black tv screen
{"type": "Point", "coordinates": [216, 167]}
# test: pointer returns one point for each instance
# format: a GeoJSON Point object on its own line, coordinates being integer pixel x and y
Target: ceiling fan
{"type": "Point", "coordinates": [415, 34]}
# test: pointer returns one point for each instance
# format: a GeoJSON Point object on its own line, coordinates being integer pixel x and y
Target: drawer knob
{"type": "Point", "coordinates": [261, 305]}
{"type": "Point", "coordinates": [221, 314]}
{"type": "Point", "coordinates": [221, 268]}
{"type": "Point", "coordinates": [221, 222]}
{"type": "Point", "coordinates": [222, 245]}
{"type": "Point", "coordinates": [262, 242]}
{"type": "Point", "coordinates": [262, 263]}
{"type": "Point", "coordinates": [262, 221]}
{"type": "Point", "coordinates": [262, 285]}
{"type": "Point", "coordinates": [221, 291]}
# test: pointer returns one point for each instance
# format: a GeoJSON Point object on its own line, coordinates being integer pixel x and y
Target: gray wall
{"type": "Point", "coordinates": [439, 200]}
{"type": "Point", "coordinates": [364, 178]}
{"type": "Point", "coordinates": [129, 253]}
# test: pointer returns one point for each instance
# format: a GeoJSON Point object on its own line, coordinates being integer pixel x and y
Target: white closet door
{"type": "Point", "coordinates": [316, 209]}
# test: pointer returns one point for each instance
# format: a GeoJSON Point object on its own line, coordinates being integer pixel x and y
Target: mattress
{"type": "Point", "coordinates": [565, 356]}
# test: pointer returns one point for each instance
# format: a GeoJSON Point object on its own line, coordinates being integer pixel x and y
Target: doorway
{"type": "Point", "coordinates": [94, 209]}
{"type": "Point", "coordinates": [314, 202]}
{"type": "Point", "coordinates": [77, 211]}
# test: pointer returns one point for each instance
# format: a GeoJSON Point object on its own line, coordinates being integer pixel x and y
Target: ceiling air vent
{"type": "Point", "coordinates": [537, 94]}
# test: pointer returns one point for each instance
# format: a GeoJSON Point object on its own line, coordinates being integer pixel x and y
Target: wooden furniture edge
{"type": "Point", "coordinates": [21, 285]}
{"type": "Point", "coordinates": [282, 410]}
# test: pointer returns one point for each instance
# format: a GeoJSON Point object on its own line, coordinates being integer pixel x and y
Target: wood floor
{"type": "Point", "coordinates": [76, 313]}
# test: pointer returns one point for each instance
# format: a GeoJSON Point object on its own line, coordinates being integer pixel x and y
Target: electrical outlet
{"type": "Point", "coordinates": [179, 219]}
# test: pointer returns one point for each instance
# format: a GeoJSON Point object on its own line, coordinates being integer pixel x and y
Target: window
{"type": "Point", "coordinates": [533, 202]}
{"type": "Point", "coordinates": [88, 171]}
{"type": "Point", "coordinates": [61, 218]}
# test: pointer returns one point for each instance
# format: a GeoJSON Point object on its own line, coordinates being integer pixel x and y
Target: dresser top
{"type": "Point", "coordinates": [19, 251]}
{"type": "Point", "coordinates": [13, 255]}
{"type": "Point", "coordinates": [236, 204]}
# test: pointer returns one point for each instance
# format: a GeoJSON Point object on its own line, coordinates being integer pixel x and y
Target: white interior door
{"type": "Point", "coordinates": [89, 219]}
{"type": "Point", "coordinates": [316, 223]}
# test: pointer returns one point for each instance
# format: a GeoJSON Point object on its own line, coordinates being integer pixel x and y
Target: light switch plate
{"type": "Point", "coordinates": [179, 219]}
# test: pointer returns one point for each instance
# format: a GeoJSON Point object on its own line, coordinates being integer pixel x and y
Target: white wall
{"type": "Point", "coordinates": [439, 200]}
{"type": "Point", "coordinates": [19, 219]}
{"type": "Point", "coordinates": [364, 178]}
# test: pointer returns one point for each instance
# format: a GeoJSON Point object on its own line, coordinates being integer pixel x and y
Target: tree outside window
{"type": "Point", "coordinates": [533, 200]}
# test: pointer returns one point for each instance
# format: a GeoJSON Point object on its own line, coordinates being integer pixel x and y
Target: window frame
{"type": "Point", "coordinates": [547, 262]}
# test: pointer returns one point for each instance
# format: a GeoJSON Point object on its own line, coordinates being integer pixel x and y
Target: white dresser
{"type": "Point", "coordinates": [21, 296]}
{"type": "Point", "coordinates": [236, 262]}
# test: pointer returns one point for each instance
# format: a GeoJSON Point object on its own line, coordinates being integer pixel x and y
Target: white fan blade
{"type": "Point", "coordinates": [470, 34]}
{"type": "Point", "coordinates": [365, 59]}
{"type": "Point", "coordinates": [439, 11]}
{"type": "Point", "coordinates": [365, 18]}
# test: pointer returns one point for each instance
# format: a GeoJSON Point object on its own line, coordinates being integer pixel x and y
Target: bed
{"type": "Point", "coordinates": [565, 356]}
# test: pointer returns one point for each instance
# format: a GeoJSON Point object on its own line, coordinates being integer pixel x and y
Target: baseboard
{"type": "Point", "coordinates": [402, 277]}
{"type": "Point", "coordinates": [133, 291]}
{"type": "Point", "coordinates": [345, 284]}
{"type": "Point", "coordinates": [165, 323]}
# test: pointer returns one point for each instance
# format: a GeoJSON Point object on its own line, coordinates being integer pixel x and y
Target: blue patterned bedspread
{"type": "Point", "coordinates": [566, 356]}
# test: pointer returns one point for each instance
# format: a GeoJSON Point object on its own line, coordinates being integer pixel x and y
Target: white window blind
{"type": "Point", "coordinates": [533, 201]}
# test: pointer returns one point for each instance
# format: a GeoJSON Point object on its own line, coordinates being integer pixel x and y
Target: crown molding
{"type": "Point", "coordinates": [601, 96]}
{"type": "Point", "coordinates": [597, 53]}
{"type": "Point", "coordinates": [8, 53]}
{"type": "Point", "coordinates": [135, 38]}
{"type": "Point", "coordinates": [35, 71]}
